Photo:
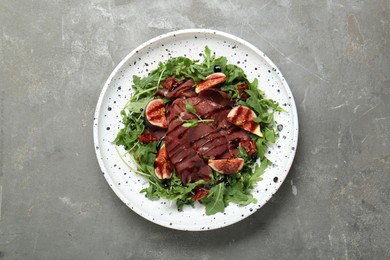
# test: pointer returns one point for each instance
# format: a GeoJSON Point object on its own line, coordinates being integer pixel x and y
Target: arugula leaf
{"type": "Point", "coordinates": [190, 123]}
{"type": "Point", "coordinates": [181, 202]}
{"type": "Point", "coordinates": [214, 200]}
{"type": "Point", "coordinates": [237, 195]}
{"type": "Point", "coordinates": [234, 74]}
{"type": "Point", "coordinates": [207, 56]}
{"type": "Point", "coordinates": [243, 154]}
{"type": "Point", "coordinates": [261, 147]}
{"type": "Point", "coordinates": [194, 122]}
{"type": "Point", "coordinates": [270, 103]}
{"type": "Point", "coordinates": [259, 170]}
{"type": "Point", "coordinates": [133, 127]}
{"type": "Point", "coordinates": [174, 191]}
{"type": "Point", "coordinates": [232, 90]}
{"type": "Point", "coordinates": [138, 105]}
{"type": "Point", "coordinates": [190, 108]}
{"type": "Point", "coordinates": [269, 135]}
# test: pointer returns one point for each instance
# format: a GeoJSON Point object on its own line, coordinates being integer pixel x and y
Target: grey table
{"type": "Point", "coordinates": [54, 59]}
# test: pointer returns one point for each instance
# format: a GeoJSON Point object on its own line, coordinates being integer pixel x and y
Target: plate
{"type": "Point", "coordinates": [117, 90]}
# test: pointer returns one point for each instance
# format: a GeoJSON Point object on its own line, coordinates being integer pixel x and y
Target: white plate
{"type": "Point", "coordinates": [117, 90]}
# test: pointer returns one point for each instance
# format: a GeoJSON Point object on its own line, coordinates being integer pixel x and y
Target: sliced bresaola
{"type": "Point", "coordinates": [207, 141]}
{"type": "Point", "coordinates": [190, 148]}
{"type": "Point", "coordinates": [189, 166]}
{"type": "Point", "coordinates": [204, 138]}
{"type": "Point", "coordinates": [185, 89]}
{"type": "Point", "coordinates": [216, 96]}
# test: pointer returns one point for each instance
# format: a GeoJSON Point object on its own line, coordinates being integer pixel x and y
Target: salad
{"type": "Point", "coordinates": [198, 132]}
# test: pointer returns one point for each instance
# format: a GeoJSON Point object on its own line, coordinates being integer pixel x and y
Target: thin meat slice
{"type": "Point", "coordinates": [185, 89]}
{"type": "Point", "coordinates": [174, 110]}
{"type": "Point", "coordinates": [189, 148]}
{"type": "Point", "coordinates": [216, 96]}
{"type": "Point", "coordinates": [189, 166]}
{"type": "Point", "coordinates": [207, 142]}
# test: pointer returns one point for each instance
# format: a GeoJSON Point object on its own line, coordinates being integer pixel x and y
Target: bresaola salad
{"type": "Point", "coordinates": [198, 132]}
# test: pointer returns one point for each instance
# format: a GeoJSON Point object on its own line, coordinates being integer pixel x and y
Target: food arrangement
{"type": "Point", "coordinates": [198, 132]}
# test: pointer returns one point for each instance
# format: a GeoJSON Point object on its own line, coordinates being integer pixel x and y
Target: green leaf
{"type": "Point", "coordinates": [254, 104]}
{"type": "Point", "coordinates": [190, 123]}
{"type": "Point", "coordinates": [190, 108]}
{"type": "Point", "coordinates": [234, 74]}
{"type": "Point", "coordinates": [214, 200]}
{"type": "Point", "coordinates": [180, 203]}
{"type": "Point", "coordinates": [194, 122]}
{"type": "Point", "coordinates": [243, 154]}
{"type": "Point", "coordinates": [261, 147]}
{"type": "Point", "coordinates": [232, 90]}
{"type": "Point", "coordinates": [259, 170]}
{"type": "Point", "coordinates": [207, 56]}
{"type": "Point", "coordinates": [269, 135]}
{"type": "Point", "coordinates": [237, 195]}
{"type": "Point", "coordinates": [138, 105]}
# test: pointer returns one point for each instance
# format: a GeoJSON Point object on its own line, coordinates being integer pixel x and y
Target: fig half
{"type": "Point", "coordinates": [210, 81]}
{"type": "Point", "coordinates": [155, 114]}
{"type": "Point", "coordinates": [242, 117]}
{"type": "Point", "coordinates": [227, 166]}
{"type": "Point", "coordinates": [163, 168]}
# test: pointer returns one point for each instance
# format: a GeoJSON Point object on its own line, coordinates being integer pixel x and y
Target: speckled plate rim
{"type": "Point", "coordinates": [108, 178]}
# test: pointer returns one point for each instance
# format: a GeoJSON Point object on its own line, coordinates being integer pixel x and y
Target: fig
{"type": "Point", "coordinates": [210, 81]}
{"type": "Point", "coordinates": [155, 114]}
{"type": "Point", "coordinates": [227, 166]}
{"type": "Point", "coordinates": [242, 117]}
{"type": "Point", "coordinates": [163, 168]}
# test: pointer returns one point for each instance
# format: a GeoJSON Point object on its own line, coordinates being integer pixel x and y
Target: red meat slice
{"type": "Point", "coordinates": [189, 148]}
{"type": "Point", "coordinates": [190, 167]}
{"type": "Point", "coordinates": [185, 89]}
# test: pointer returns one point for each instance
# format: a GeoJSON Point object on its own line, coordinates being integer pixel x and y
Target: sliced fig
{"type": "Point", "coordinates": [162, 165]}
{"type": "Point", "coordinates": [210, 81]}
{"type": "Point", "coordinates": [242, 117]}
{"type": "Point", "coordinates": [155, 114]}
{"type": "Point", "coordinates": [227, 166]}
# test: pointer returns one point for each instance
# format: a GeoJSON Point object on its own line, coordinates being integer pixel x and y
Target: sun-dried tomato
{"type": "Point", "coordinates": [170, 83]}
{"type": "Point", "coordinates": [249, 146]}
{"type": "Point", "coordinates": [241, 91]}
{"type": "Point", "coordinates": [147, 137]}
{"type": "Point", "coordinates": [200, 193]}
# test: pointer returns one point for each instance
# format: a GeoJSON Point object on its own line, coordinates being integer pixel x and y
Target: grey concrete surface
{"type": "Point", "coordinates": [54, 59]}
